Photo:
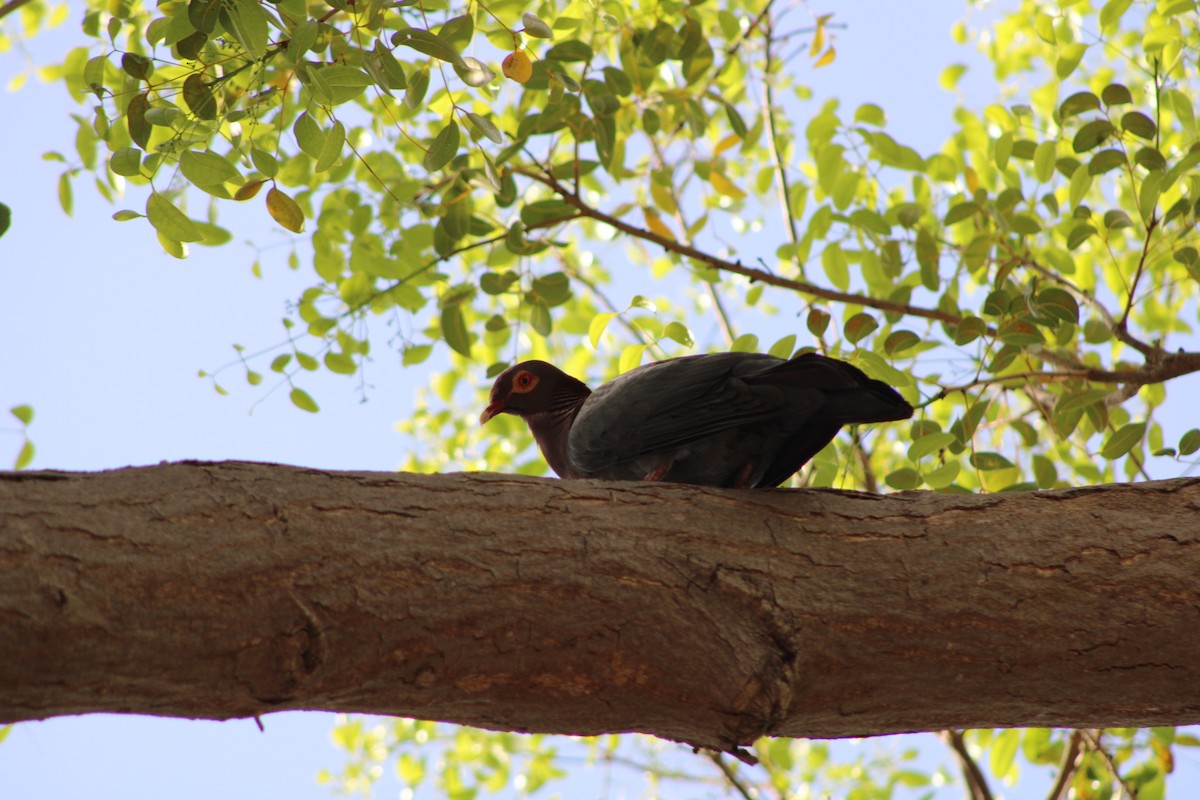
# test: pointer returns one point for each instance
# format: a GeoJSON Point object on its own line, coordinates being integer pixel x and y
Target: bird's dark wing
{"type": "Point", "coordinates": [667, 406]}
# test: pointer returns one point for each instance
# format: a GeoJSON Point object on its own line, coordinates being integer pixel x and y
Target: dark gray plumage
{"type": "Point", "coordinates": [724, 419]}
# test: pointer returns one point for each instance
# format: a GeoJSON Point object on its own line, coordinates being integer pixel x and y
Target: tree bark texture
{"type": "Point", "coordinates": [707, 616]}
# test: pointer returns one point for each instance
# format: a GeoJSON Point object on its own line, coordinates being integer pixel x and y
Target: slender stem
{"type": "Point", "coordinates": [1093, 742]}
{"type": "Point", "coordinates": [731, 774]}
{"type": "Point", "coordinates": [12, 6]}
{"type": "Point", "coordinates": [1016, 376]}
{"type": "Point", "coordinates": [1159, 367]}
{"type": "Point", "coordinates": [785, 192]}
{"type": "Point", "coordinates": [734, 267]}
{"type": "Point", "coordinates": [1066, 768]}
{"type": "Point", "coordinates": [977, 784]}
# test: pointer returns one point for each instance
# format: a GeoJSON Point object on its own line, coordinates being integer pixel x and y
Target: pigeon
{"type": "Point", "coordinates": [742, 420]}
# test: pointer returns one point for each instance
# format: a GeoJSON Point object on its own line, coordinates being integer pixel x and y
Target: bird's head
{"type": "Point", "coordinates": [528, 388]}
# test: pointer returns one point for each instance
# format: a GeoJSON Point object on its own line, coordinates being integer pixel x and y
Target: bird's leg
{"type": "Point", "coordinates": [742, 479]}
{"type": "Point", "coordinates": [658, 473]}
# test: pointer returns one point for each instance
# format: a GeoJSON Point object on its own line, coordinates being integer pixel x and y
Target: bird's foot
{"type": "Point", "coordinates": [658, 473]}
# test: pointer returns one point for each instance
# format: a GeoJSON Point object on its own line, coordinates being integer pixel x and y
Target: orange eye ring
{"type": "Point", "coordinates": [524, 381]}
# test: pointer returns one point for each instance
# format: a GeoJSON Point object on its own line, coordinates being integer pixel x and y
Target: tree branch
{"type": "Point", "coordinates": [977, 785]}
{"type": "Point", "coordinates": [1162, 367]}
{"type": "Point", "coordinates": [11, 6]}
{"type": "Point", "coordinates": [733, 267]}
{"type": "Point", "coordinates": [1066, 767]}
{"type": "Point", "coordinates": [707, 616]}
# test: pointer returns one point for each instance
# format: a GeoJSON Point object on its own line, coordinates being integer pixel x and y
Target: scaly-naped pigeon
{"type": "Point", "coordinates": [723, 419]}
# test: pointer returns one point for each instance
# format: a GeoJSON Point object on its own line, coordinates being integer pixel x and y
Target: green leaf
{"type": "Point", "coordinates": [928, 256]}
{"type": "Point", "coordinates": [23, 412]}
{"type": "Point", "coordinates": [930, 443]}
{"type": "Point", "coordinates": [1116, 218]}
{"type": "Point", "coordinates": [817, 322]}
{"type": "Point", "coordinates": [309, 135]}
{"type": "Point", "coordinates": [1044, 160]}
{"type": "Point", "coordinates": [1078, 103]}
{"type": "Point", "coordinates": [135, 119]}
{"type": "Point", "coordinates": [1079, 234]}
{"type": "Point", "coordinates": [1189, 442]}
{"type": "Point", "coordinates": [24, 455]}
{"type": "Point", "coordinates": [1043, 26]}
{"type": "Point", "coordinates": [1077, 401]}
{"type": "Point", "coordinates": [169, 220]}
{"type": "Point", "coordinates": [1089, 136]}
{"type": "Point", "coordinates": [903, 480]}
{"type": "Point", "coordinates": [988, 462]}
{"type": "Point", "coordinates": [264, 162]}
{"type": "Point", "coordinates": [1044, 471]}
{"type": "Point", "coordinates": [418, 84]}
{"type": "Point", "coordinates": [337, 84]}
{"type": "Point", "coordinates": [331, 150]}
{"type": "Point", "coordinates": [1068, 60]}
{"type": "Point", "coordinates": [746, 343]}
{"type": "Point", "coordinates": [454, 329]}
{"type": "Point", "coordinates": [443, 148]}
{"type": "Point", "coordinates": [970, 329]}
{"type": "Point", "coordinates": [427, 42]}
{"type": "Point", "coordinates": [1123, 440]}
{"type": "Point", "coordinates": [678, 332]}
{"type": "Point", "coordinates": [1058, 304]}
{"type": "Point", "coordinates": [485, 127]}
{"type": "Point", "coordinates": [631, 356]}
{"type": "Point", "coordinates": [1116, 95]}
{"type": "Point", "coordinates": [126, 161]}
{"type": "Point", "coordinates": [899, 341]}
{"type": "Point", "coordinates": [784, 347]}
{"type": "Point", "coordinates": [246, 21]}
{"type": "Point", "coordinates": [539, 317]}
{"type": "Point", "coordinates": [554, 288]}
{"type": "Point", "coordinates": [474, 72]}
{"type": "Point", "coordinates": [1106, 161]}
{"type": "Point", "coordinates": [1003, 753]}
{"type": "Point", "coordinates": [535, 27]}
{"type": "Point", "coordinates": [570, 51]}
{"type": "Point", "coordinates": [960, 212]}
{"type": "Point", "coordinates": [859, 327]}
{"type": "Point", "coordinates": [198, 97]}
{"type": "Point", "coordinates": [207, 168]}
{"type": "Point", "coordinates": [1003, 149]}
{"type": "Point", "coordinates": [303, 401]}
{"type": "Point", "coordinates": [1139, 125]}
{"type": "Point", "coordinates": [596, 327]}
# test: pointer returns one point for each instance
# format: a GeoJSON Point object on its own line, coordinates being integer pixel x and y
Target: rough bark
{"type": "Point", "coordinates": [702, 615]}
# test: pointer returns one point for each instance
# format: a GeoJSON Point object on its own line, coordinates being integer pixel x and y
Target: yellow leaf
{"type": "Point", "coordinates": [516, 65]}
{"type": "Point", "coordinates": [972, 179]}
{"type": "Point", "coordinates": [732, 140]}
{"type": "Point", "coordinates": [826, 58]}
{"type": "Point", "coordinates": [725, 186]}
{"type": "Point", "coordinates": [285, 211]}
{"type": "Point", "coordinates": [656, 225]}
{"type": "Point", "coordinates": [248, 190]}
{"type": "Point", "coordinates": [818, 38]}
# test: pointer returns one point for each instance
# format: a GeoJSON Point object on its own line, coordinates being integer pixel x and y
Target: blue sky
{"type": "Point", "coordinates": [103, 334]}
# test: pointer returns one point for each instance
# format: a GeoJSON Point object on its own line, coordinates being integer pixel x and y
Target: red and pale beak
{"type": "Point", "coordinates": [495, 407]}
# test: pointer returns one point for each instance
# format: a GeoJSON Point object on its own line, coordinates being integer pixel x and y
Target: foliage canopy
{"type": "Point", "coordinates": [574, 182]}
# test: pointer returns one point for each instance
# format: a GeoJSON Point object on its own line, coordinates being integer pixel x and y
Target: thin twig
{"type": "Point", "coordinates": [1093, 742]}
{"type": "Point", "coordinates": [785, 192]}
{"type": "Point", "coordinates": [977, 784]}
{"type": "Point", "coordinates": [1066, 768]}
{"type": "Point", "coordinates": [12, 6]}
{"type": "Point", "coordinates": [731, 775]}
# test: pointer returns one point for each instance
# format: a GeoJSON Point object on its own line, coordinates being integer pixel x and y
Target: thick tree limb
{"type": "Point", "coordinates": [707, 616]}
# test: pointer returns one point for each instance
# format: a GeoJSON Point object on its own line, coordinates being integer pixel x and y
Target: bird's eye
{"type": "Point", "coordinates": [524, 381]}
